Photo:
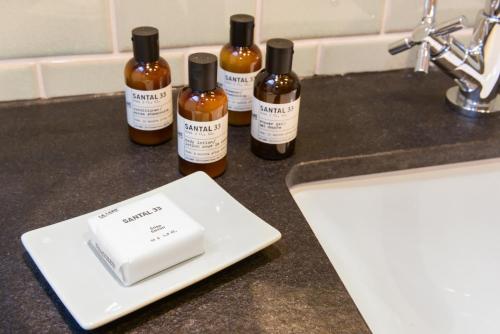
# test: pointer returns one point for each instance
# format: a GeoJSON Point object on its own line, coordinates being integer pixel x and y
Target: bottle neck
{"type": "Point", "coordinates": [278, 68]}
{"type": "Point", "coordinates": [146, 52]}
{"type": "Point", "coordinates": [140, 59]}
{"type": "Point", "coordinates": [201, 91]}
{"type": "Point", "coordinates": [146, 63]}
{"type": "Point", "coordinates": [241, 38]}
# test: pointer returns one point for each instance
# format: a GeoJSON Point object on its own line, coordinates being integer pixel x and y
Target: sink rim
{"type": "Point", "coordinates": [457, 168]}
{"type": "Point", "coordinates": [390, 161]}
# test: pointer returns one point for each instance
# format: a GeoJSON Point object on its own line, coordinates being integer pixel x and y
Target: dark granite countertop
{"type": "Point", "coordinates": [62, 158]}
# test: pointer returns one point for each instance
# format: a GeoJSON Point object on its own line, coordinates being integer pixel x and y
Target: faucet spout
{"type": "Point", "coordinates": [492, 8]}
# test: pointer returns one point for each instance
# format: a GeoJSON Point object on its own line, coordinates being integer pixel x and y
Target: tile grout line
{"type": "Point", "coordinates": [91, 56]}
{"type": "Point", "coordinates": [385, 14]}
{"type": "Point", "coordinates": [193, 49]}
{"type": "Point", "coordinates": [39, 78]}
{"type": "Point", "coordinates": [124, 54]}
{"type": "Point", "coordinates": [319, 50]}
{"type": "Point", "coordinates": [319, 43]}
{"type": "Point", "coordinates": [185, 51]}
{"type": "Point", "coordinates": [258, 21]}
{"type": "Point", "coordinates": [185, 70]}
{"type": "Point", "coordinates": [112, 22]}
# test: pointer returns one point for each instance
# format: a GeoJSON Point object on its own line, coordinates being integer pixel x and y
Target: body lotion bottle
{"type": "Point", "coordinates": [276, 102]}
{"type": "Point", "coordinates": [148, 90]}
{"type": "Point", "coordinates": [202, 120]}
{"type": "Point", "coordinates": [240, 61]}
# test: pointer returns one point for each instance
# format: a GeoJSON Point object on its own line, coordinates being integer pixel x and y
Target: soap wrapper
{"type": "Point", "coordinates": [139, 239]}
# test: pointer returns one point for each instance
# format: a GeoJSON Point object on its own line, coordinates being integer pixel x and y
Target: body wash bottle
{"type": "Point", "coordinates": [240, 61]}
{"type": "Point", "coordinates": [202, 119]}
{"type": "Point", "coordinates": [148, 90]}
{"type": "Point", "coordinates": [276, 102]}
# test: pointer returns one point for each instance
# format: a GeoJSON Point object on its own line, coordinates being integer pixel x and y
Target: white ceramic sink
{"type": "Point", "coordinates": [418, 250]}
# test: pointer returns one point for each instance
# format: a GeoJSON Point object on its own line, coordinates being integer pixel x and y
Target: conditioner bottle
{"type": "Point", "coordinates": [148, 90]}
{"type": "Point", "coordinates": [276, 102]}
{"type": "Point", "coordinates": [202, 119]}
{"type": "Point", "coordinates": [240, 61]}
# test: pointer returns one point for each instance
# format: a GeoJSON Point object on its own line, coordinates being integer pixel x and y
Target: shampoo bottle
{"type": "Point", "coordinates": [276, 102]}
{"type": "Point", "coordinates": [240, 61]}
{"type": "Point", "coordinates": [148, 91]}
{"type": "Point", "coordinates": [202, 119]}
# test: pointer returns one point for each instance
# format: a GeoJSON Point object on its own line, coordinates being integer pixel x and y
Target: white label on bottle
{"type": "Point", "coordinates": [202, 142]}
{"type": "Point", "coordinates": [149, 109]}
{"type": "Point", "coordinates": [275, 123]}
{"type": "Point", "coordinates": [238, 88]}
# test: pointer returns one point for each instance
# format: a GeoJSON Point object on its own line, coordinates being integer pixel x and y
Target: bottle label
{"type": "Point", "coordinates": [149, 110]}
{"type": "Point", "coordinates": [202, 142]}
{"type": "Point", "coordinates": [275, 123]}
{"type": "Point", "coordinates": [238, 88]}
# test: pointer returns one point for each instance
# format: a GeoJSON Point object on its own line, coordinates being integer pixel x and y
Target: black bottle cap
{"type": "Point", "coordinates": [279, 53]}
{"type": "Point", "coordinates": [146, 45]}
{"type": "Point", "coordinates": [202, 69]}
{"type": "Point", "coordinates": [241, 32]}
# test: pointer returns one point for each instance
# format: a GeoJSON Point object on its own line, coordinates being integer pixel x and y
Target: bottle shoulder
{"type": "Point", "coordinates": [187, 96]}
{"type": "Point", "coordinates": [240, 59]}
{"type": "Point", "coordinates": [283, 82]}
{"type": "Point", "coordinates": [252, 50]}
{"type": "Point", "coordinates": [157, 71]}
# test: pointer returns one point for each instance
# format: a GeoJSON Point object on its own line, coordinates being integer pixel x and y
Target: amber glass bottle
{"type": "Point", "coordinates": [240, 61]}
{"type": "Point", "coordinates": [148, 90]}
{"type": "Point", "coordinates": [202, 119]}
{"type": "Point", "coordinates": [276, 102]}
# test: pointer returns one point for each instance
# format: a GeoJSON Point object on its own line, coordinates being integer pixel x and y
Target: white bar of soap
{"type": "Point", "coordinates": [140, 239]}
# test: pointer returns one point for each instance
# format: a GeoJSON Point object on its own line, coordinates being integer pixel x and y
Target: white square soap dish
{"type": "Point", "coordinates": [94, 297]}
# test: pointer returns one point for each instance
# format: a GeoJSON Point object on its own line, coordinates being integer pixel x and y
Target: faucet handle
{"type": "Point", "coordinates": [450, 26]}
{"type": "Point", "coordinates": [401, 46]}
{"type": "Point", "coordinates": [423, 58]}
{"type": "Point", "coordinates": [423, 31]}
{"type": "Point", "coordinates": [419, 36]}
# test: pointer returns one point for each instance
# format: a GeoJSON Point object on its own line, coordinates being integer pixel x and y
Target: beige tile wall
{"type": "Point", "coordinates": [51, 48]}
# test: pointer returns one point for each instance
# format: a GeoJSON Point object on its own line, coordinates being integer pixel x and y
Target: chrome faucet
{"type": "Point", "coordinates": [475, 68]}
